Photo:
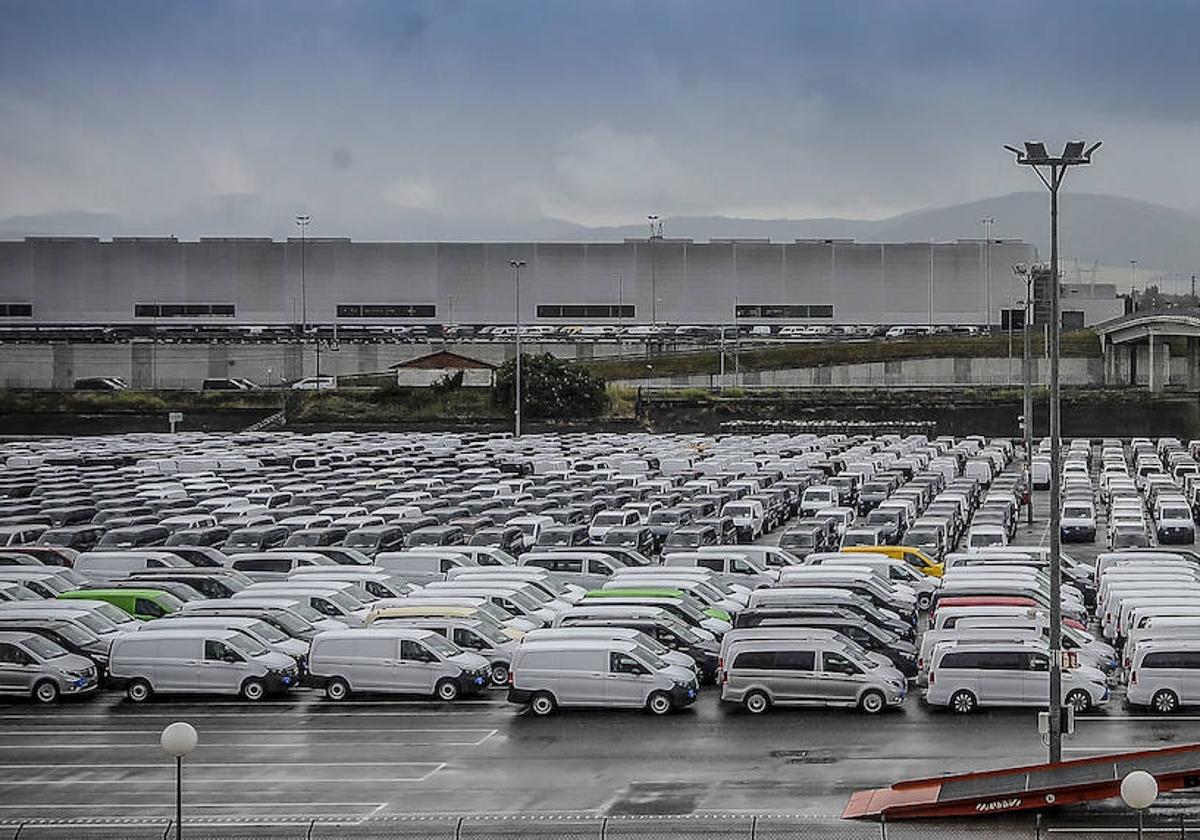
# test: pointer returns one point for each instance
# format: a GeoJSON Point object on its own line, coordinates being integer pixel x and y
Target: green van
{"type": "Point", "coordinates": [684, 605]}
{"type": "Point", "coordinates": [142, 604]}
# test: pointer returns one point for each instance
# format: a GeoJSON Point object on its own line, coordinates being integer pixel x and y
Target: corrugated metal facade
{"type": "Point", "coordinates": [73, 281]}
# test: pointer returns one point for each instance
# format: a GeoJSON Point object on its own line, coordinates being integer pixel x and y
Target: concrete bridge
{"type": "Point", "coordinates": [1136, 348]}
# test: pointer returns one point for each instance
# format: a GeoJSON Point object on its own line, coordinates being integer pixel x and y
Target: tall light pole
{"type": "Point", "coordinates": [1035, 155]}
{"type": "Point", "coordinates": [987, 223]}
{"type": "Point", "coordinates": [655, 235]}
{"type": "Point", "coordinates": [303, 220]}
{"type": "Point", "coordinates": [517, 265]}
{"type": "Point", "coordinates": [1132, 285]}
{"type": "Point", "coordinates": [1023, 271]}
{"type": "Point", "coordinates": [178, 740]}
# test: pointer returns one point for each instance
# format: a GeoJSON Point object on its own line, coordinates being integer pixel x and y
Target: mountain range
{"type": "Point", "coordinates": [1105, 229]}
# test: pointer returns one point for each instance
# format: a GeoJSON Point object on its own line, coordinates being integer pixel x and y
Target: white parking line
{"type": "Point", "coordinates": [303, 732]}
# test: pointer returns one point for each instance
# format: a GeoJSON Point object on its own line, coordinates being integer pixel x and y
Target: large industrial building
{"type": "Point", "coordinates": [242, 281]}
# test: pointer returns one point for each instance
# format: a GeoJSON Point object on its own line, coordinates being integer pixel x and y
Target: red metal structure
{"type": "Point", "coordinates": [1032, 787]}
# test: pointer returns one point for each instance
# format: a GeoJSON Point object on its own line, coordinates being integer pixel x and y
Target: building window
{"type": "Point", "coordinates": [386, 310]}
{"type": "Point", "coordinates": [183, 310]}
{"type": "Point", "coordinates": [783, 310]}
{"type": "Point", "coordinates": [589, 310]}
{"type": "Point", "coordinates": [16, 310]}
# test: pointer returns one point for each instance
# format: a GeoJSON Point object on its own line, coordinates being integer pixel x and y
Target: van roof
{"type": "Point", "coordinates": [156, 631]}
{"type": "Point", "coordinates": [389, 631]}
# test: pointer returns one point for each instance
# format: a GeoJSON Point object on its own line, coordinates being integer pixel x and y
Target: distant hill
{"type": "Point", "coordinates": [1107, 228]}
{"type": "Point", "coordinates": [1104, 228]}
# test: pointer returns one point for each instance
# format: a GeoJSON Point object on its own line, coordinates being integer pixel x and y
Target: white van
{"type": "Point", "coordinates": [964, 676]}
{"type": "Point", "coordinates": [550, 674]}
{"type": "Point", "coordinates": [1164, 674]}
{"type": "Point", "coordinates": [102, 567]}
{"type": "Point", "coordinates": [392, 659]}
{"type": "Point", "coordinates": [198, 660]}
{"type": "Point", "coordinates": [421, 567]}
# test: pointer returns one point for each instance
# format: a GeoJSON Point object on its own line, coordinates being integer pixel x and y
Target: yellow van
{"type": "Point", "coordinates": [914, 557]}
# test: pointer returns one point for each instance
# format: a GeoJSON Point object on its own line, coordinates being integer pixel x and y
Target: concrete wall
{"type": "Point", "coordinates": [993, 371]}
{"type": "Point", "coordinates": [150, 365]}
{"type": "Point", "coordinates": [86, 280]}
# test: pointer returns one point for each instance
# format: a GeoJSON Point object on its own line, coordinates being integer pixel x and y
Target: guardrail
{"type": "Point", "coordinates": [592, 827]}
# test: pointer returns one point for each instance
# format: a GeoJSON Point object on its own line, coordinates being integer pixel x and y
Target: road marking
{"type": "Point", "coordinates": [194, 765]}
{"type": "Point", "coordinates": [192, 805]}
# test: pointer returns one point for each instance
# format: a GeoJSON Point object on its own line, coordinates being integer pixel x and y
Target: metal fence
{"type": "Point", "coordinates": [701, 827]}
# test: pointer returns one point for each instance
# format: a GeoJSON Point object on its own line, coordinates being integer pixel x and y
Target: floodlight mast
{"type": "Point", "coordinates": [1035, 156]}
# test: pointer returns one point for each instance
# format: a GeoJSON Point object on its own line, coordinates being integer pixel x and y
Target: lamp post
{"type": "Point", "coordinates": [655, 235]}
{"type": "Point", "coordinates": [303, 220]}
{"type": "Point", "coordinates": [987, 223]}
{"type": "Point", "coordinates": [1023, 271]}
{"type": "Point", "coordinates": [517, 265]}
{"type": "Point", "coordinates": [1035, 155]}
{"type": "Point", "coordinates": [178, 740]}
{"type": "Point", "coordinates": [1139, 790]}
{"type": "Point", "coordinates": [1132, 285]}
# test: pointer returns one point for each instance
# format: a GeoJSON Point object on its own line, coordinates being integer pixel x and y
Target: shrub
{"type": "Point", "coordinates": [551, 388]}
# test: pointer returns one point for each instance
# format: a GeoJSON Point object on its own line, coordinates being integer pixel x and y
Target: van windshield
{"type": "Point", "coordinates": [440, 645]}
{"type": "Point", "coordinates": [43, 648]}
{"type": "Point", "coordinates": [649, 659]}
{"type": "Point", "coordinates": [96, 623]}
{"type": "Point", "coordinates": [246, 644]}
{"type": "Point", "coordinates": [272, 634]}
{"type": "Point", "coordinates": [115, 614]}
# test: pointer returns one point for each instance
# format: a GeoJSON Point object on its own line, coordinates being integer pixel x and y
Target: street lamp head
{"type": "Point", "coordinates": [1020, 269]}
{"type": "Point", "coordinates": [517, 263]}
{"type": "Point", "coordinates": [179, 739]}
{"type": "Point", "coordinates": [1139, 790]}
{"type": "Point", "coordinates": [303, 219]}
{"type": "Point", "coordinates": [1075, 153]}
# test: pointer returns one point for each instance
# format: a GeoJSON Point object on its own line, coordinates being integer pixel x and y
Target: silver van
{"type": "Point", "coordinates": [103, 567]}
{"type": "Point", "coordinates": [474, 635]}
{"type": "Point", "coordinates": [263, 632]}
{"type": "Point", "coordinates": [265, 566]}
{"type": "Point", "coordinates": [603, 631]}
{"type": "Point", "coordinates": [964, 676]}
{"type": "Point", "coordinates": [32, 666]}
{"type": "Point", "coordinates": [330, 598]}
{"type": "Point", "coordinates": [570, 672]}
{"type": "Point", "coordinates": [394, 659]}
{"type": "Point", "coordinates": [298, 609]}
{"type": "Point", "coordinates": [585, 569]}
{"type": "Point", "coordinates": [421, 567]}
{"type": "Point", "coordinates": [738, 567]}
{"type": "Point", "coordinates": [212, 661]}
{"type": "Point", "coordinates": [760, 673]}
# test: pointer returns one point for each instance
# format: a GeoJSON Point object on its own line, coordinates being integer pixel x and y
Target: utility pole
{"type": "Point", "coordinates": [987, 223]}
{"type": "Point", "coordinates": [1036, 157]}
{"type": "Point", "coordinates": [303, 220]}
{"type": "Point", "coordinates": [517, 265]}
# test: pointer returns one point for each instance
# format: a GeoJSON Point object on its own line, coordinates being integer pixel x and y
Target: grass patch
{"type": "Point", "coordinates": [1077, 344]}
{"type": "Point", "coordinates": [392, 405]}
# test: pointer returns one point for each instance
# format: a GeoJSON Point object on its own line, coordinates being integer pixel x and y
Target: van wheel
{"type": "Point", "coordinates": [254, 690]}
{"type": "Point", "coordinates": [447, 690]}
{"type": "Point", "coordinates": [963, 703]}
{"type": "Point", "coordinates": [924, 600]}
{"type": "Point", "coordinates": [1079, 700]}
{"type": "Point", "coordinates": [1165, 702]}
{"type": "Point", "coordinates": [46, 692]}
{"type": "Point", "coordinates": [872, 702]}
{"type": "Point", "coordinates": [138, 691]}
{"type": "Point", "coordinates": [543, 704]}
{"type": "Point", "coordinates": [337, 689]}
{"type": "Point", "coordinates": [659, 703]}
{"type": "Point", "coordinates": [500, 674]}
{"type": "Point", "coordinates": [756, 703]}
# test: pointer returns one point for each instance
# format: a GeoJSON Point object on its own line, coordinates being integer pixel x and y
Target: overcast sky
{"type": "Point", "coordinates": [592, 112]}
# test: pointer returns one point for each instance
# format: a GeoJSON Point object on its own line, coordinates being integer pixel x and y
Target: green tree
{"type": "Point", "coordinates": [551, 388]}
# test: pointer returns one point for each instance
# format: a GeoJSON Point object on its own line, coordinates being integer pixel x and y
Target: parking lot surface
{"type": "Point", "coordinates": [303, 757]}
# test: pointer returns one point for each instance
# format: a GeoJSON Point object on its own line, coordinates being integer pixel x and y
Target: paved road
{"type": "Point", "coordinates": [307, 757]}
